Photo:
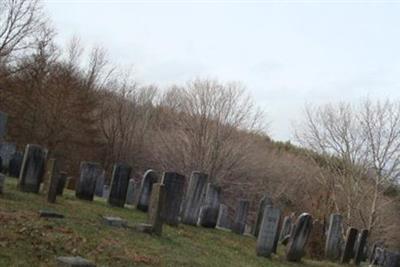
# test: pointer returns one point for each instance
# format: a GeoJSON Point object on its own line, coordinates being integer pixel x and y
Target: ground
{"type": "Point", "coordinates": [27, 240]}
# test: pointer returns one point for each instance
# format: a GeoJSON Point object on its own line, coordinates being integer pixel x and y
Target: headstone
{"type": "Point", "coordinates": [174, 187]}
{"type": "Point", "coordinates": [119, 185]}
{"type": "Point", "coordinates": [7, 150]}
{"type": "Point", "coordinates": [3, 125]}
{"type": "Point", "coordinates": [299, 237]}
{"type": "Point", "coordinates": [114, 221]}
{"type": "Point", "coordinates": [157, 201]}
{"type": "Point", "coordinates": [49, 168]}
{"type": "Point", "coordinates": [14, 167]}
{"type": "Point", "coordinates": [263, 203]}
{"type": "Point", "coordinates": [194, 198]}
{"type": "Point", "coordinates": [130, 196]}
{"type": "Point", "coordinates": [390, 259]}
{"type": "Point", "coordinates": [50, 214]}
{"type": "Point", "coordinates": [86, 185]}
{"type": "Point", "coordinates": [106, 191]}
{"type": "Point", "coordinates": [136, 193]}
{"type": "Point", "coordinates": [53, 183]}
{"type": "Point", "coordinates": [286, 228]}
{"type": "Point", "coordinates": [2, 181]}
{"type": "Point", "coordinates": [334, 237]}
{"type": "Point", "coordinates": [149, 178]}
{"type": "Point", "coordinates": [74, 262]}
{"type": "Point", "coordinates": [239, 222]}
{"type": "Point", "coordinates": [223, 217]}
{"type": "Point", "coordinates": [209, 211]}
{"type": "Point", "coordinates": [32, 169]}
{"type": "Point", "coordinates": [268, 231]}
{"type": "Point", "coordinates": [62, 179]}
{"type": "Point", "coordinates": [360, 246]}
{"type": "Point", "coordinates": [348, 251]}
{"type": "Point", "coordinates": [100, 184]}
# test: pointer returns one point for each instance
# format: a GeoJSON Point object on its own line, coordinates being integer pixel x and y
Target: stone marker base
{"type": "Point", "coordinates": [50, 214]}
{"type": "Point", "coordinates": [114, 221]}
{"type": "Point", "coordinates": [144, 228]}
{"type": "Point", "coordinates": [74, 262]}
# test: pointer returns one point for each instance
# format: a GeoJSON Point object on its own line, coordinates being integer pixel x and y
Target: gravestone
{"type": "Point", "coordinates": [2, 181]}
{"type": "Point", "coordinates": [209, 211]}
{"type": "Point", "coordinates": [48, 172]}
{"type": "Point", "coordinates": [286, 228]}
{"type": "Point", "coordinates": [53, 181]}
{"type": "Point", "coordinates": [86, 183]}
{"type": "Point", "coordinates": [348, 250]}
{"type": "Point", "coordinates": [299, 237]}
{"type": "Point", "coordinates": [261, 206]}
{"type": "Point", "coordinates": [174, 187]}
{"type": "Point", "coordinates": [100, 184]}
{"type": "Point", "coordinates": [62, 179]}
{"type": "Point", "coordinates": [14, 167]}
{"type": "Point", "coordinates": [149, 178]}
{"type": "Point", "coordinates": [7, 150]}
{"type": "Point", "coordinates": [360, 246]}
{"type": "Point", "coordinates": [115, 221]}
{"type": "Point", "coordinates": [268, 232]}
{"type": "Point", "coordinates": [106, 191]}
{"type": "Point", "coordinates": [50, 214]}
{"type": "Point", "coordinates": [223, 217]}
{"type": "Point", "coordinates": [334, 237]}
{"type": "Point", "coordinates": [130, 196]}
{"type": "Point", "coordinates": [74, 261]}
{"type": "Point", "coordinates": [239, 222]}
{"type": "Point", "coordinates": [390, 259]}
{"type": "Point", "coordinates": [194, 197]}
{"type": "Point", "coordinates": [136, 193]}
{"type": "Point", "coordinates": [32, 169]}
{"type": "Point", "coordinates": [3, 125]}
{"type": "Point", "coordinates": [119, 185]}
{"type": "Point", "coordinates": [156, 205]}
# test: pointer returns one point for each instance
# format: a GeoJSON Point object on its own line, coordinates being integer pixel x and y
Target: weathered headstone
{"type": "Point", "coordinates": [32, 169]}
{"type": "Point", "coordinates": [194, 197]}
{"type": "Point", "coordinates": [299, 237]}
{"type": "Point", "coordinates": [268, 231]}
{"type": "Point", "coordinates": [334, 237]}
{"type": "Point", "coordinates": [209, 211]}
{"type": "Point", "coordinates": [360, 246]}
{"type": "Point", "coordinates": [286, 228]}
{"type": "Point", "coordinates": [174, 187]}
{"type": "Point", "coordinates": [2, 181]}
{"type": "Point", "coordinates": [390, 259]}
{"type": "Point", "coordinates": [62, 179]}
{"type": "Point", "coordinates": [3, 125]}
{"type": "Point", "coordinates": [7, 150]}
{"type": "Point", "coordinates": [119, 184]}
{"type": "Point", "coordinates": [74, 261]}
{"type": "Point", "coordinates": [223, 217]}
{"type": "Point", "coordinates": [49, 167]}
{"type": "Point", "coordinates": [157, 201]}
{"type": "Point", "coordinates": [242, 211]}
{"type": "Point", "coordinates": [348, 250]}
{"type": "Point", "coordinates": [53, 174]}
{"type": "Point", "coordinates": [115, 221]}
{"type": "Point", "coordinates": [106, 191]}
{"type": "Point", "coordinates": [263, 203]}
{"type": "Point", "coordinates": [100, 184]}
{"type": "Point", "coordinates": [149, 178]}
{"type": "Point", "coordinates": [14, 167]}
{"type": "Point", "coordinates": [130, 196]}
{"type": "Point", "coordinates": [86, 185]}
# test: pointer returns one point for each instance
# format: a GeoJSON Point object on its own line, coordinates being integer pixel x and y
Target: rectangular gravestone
{"type": "Point", "coordinates": [53, 183]}
{"type": "Point", "coordinates": [119, 185]}
{"type": "Point", "coordinates": [32, 169]}
{"type": "Point", "coordinates": [223, 217]}
{"type": "Point", "coordinates": [240, 220]}
{"type": "Point", "coordinates": [209, 211]}
{"type": "Point", "coordinates": [106, 191]}
{"type": "Point", "coordinates": [348, 251]}
{"type": "Point", "coordinates": [48, 171]}
{"type": "Point", "coordinates": [299, 237]}
{"type": "Point", "coordinates": [14, 167]}
{"type": "Point", "coordinates": [156, 205]}
{"type": "Point", "coordinates": [194, 198]}
{"type": "Point", "coordinates": [86, 184]}
{"type": "Point", "coordinates": [149, 178]}
{"type": "Point", "coordinates": [130, 194]}
{"type": "Point", "coordinates": [2, 182]}
{"type": "Point", "coordinates": [62, 180]}
{"type": "Point", "coordinates": [334, 238]}
{"type": "Point", "coordinates": [7, 151]}
{"type": "Point", "coordinates": [174, 188]}
{"type": "Point", "coordinates": [268, 232]}
{"type": "Point", "coordinates": [360, 246]}
{"type": "Point", "coordinates": [261, 207]}
{"type": "Point", "coordinates": [100, 184]}
{"type": "Point", "coordinates": [3, 125]}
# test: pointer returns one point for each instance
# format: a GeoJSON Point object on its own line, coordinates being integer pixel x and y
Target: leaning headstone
{"type": "Point", "coordinates": [32, 169]}
{"type": "Point", "coordinates": [194, 197]}
{"type": "Point", "coordinates": [223, 217]}
{"type": "Point", "coordinates": [3, 125]}
{"type": "Point", "coordinates": [7, 150]}
{"type": "Point", "coordinates": [348, 251]}
{"type": "Point", "coordinates": [62, 180]}
{"type": "Point", "coordinates": [268, 231]}
{"type": "Point", "coordinates": [157, 201]}
{"type": "Point", "coordinates": [74, 262]}
{"type": "Point", "coordinates": [299, 237]}
{"type": "Point", "coordinates": [2, 179]}
{"type": "Point", "coordinates": [334, 237]}
{"type": "Point", "coordinates": [263, 203]}
{"type": "Point", "coordinates": [149, 178]}
{"type": "Point", "coordinates": [119, 185]}
{"type": "Point", "coordinates": [209, 211]}
{"type": "Point", "coordinates": [100, 184]}
{"type": "Point", "coordinates": [174, 187]}
{"type": "Point", "coordinates": [87, 180]}
{"type": "Point", "coordinates": [53, 182]}
{"type": "Point", "coordinates": [130, 196]}
{"type": "Point", "coordinates": [14, 167]}
{"type": "Point", "coordinates": [239, 222]}
{"type": "Point", "coordinates": [286, 228]}
{"type": "Point", "coordinates": [360, 246]}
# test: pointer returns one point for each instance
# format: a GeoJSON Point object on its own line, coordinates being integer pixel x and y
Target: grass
{"type": "Point", "coordinates": [27, 240]}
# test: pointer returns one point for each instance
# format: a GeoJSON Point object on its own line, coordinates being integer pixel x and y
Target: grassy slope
{"type": "Point", "coordinates": [27, 240]}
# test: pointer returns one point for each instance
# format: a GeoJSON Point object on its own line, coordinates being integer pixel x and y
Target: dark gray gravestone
{"type": "Point", "coordinates": [7, 150]}
{"type": "Point", "coordinates": [174, 186]}
{"type": "Point", "coordinates": [14, 167]}
{"type": "Point", "coordinates": [53, 181]}
{"type": "Point", "coordinates": [299, 237]}
{"type": "Point", "coordinates": [3, 125]}
{"type": "Point", "coordinates": [242, 211]}
{"type": "Point", "coordinates": [74, 262]}
{"type": "Point", "coordinates": [32, 169]}
{"type": "Point", "coordinates": [209, 211]}
{"type": "Point", "coordinates": [334, 237]}
{"type": "Point", "coordinates": [223, 217]}
{"type": "Point", "coordinates": [263, 203]}
{"type": "Point", "coordinates": [194, 197]}
{"type": "Point", "coordinates": [86, 184]}
{"type": "Point", "coordinates": [100, 184]}
{"type": "Point", "coordinates": [149, 178]}
{"type": "Point", "coordinates": [119, 184]}
{"type": "Point", "coordinates": [62, 180]}
{"type": "Point", "coordinates": [348, 251]}
{"type": "Point", "coordinates": [360, 246]}
{"type": "Point", "coordinates": [268, 231]}
{"type": "Point", "coordinates": [106, 191]}
{"type": "Point", "coordinates": [130, 194]}
{"type": "Point", "coordinates": [391, 259]}
{"type": "Point", "coordinates": [2, 179]}
{"type": "Point", "coordinates": [286, 228]}
{"type": "Point", "coordinates": [156, 206]}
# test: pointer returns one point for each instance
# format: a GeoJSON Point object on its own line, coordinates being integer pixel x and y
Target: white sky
{"type": "Point", "coordinates": [287, 54]}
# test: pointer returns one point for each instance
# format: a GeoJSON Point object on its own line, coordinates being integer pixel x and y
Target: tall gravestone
{"type": "Point", "coordinates": [360, 246]}
{"type": "Point", "coordinates": [3, 125]}
{"type": "Point", "coordinates": [268, 232]}
{"type": "Point", "coordinates": [7, 150]}
{"type": "Point", "coordinates": [194, 197]}
{"type": "Point", "coordinates": [156, 204]}
{"type": "Point", "coordinates": [209, 211]}
{"type": "Point", "coordinates": [62, 180]}
{"type": "Point", "coordinates": [53, 174]}
{"type": "Point", "coordinates": [119, 184]}
{"type": "Point", "coordinates": [14, 167]}
{"type": "Point", "coordinates": [100, 184]}
{"type": "Point", "coordinates": [89, 171]}
{"type": "Point", "coordinates": [261, 206]}
{"type": "Point", "coordinates": [32, 169]}
{"type": "Point", "coordinates": [240, 220]}
{"type": "Point", "coordinates": [174, 187]}
{"type": "Point", "coordinates": [348, 250]}
{"type": "Point", "coordinates": [223, 217]}
{"type": "Point", "coordinates": [286, 228]}
{"type": "Point", "coordinates": [334, 238]}
{"type": "Point", "coordinates": [149, 178]}
{"type": "Point", "coordinates": [299, 237]}
{"type": "Point", "coordinates": [130, 194]}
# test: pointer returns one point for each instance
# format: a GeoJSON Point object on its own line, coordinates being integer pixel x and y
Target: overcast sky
{"type": "Point", "coordinates": [287, 54]}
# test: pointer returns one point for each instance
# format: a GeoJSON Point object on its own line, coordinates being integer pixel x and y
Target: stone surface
{"type": "Point", "coordinates": [209, 211]}
{"type": "Point", "coordinates": [223, 217]}
{"type": "Point", "coordinates": [348, 250]}
{"type": "Point", "coordinates": [156, 205]}
{"type": "Point", "coordinates": [7, 150]}
{"type": "Point", "coordinates": [114, 221]}
{"type": "Point", "coordinates": [149, 178]}
{"type": "Point", "coordinates": [360, 246]}
{"type": "Point", "coordinates": [100, 184]}
{"type": "Point", "coordinates": [240, 220]}
{"type": "Point", "coordinates": [32, 169]}
{"type": "Point", "coordinates": [194, 197]}
{"type": "Point", "coordinates": [130, 194]}
{"type": "Point", "coordinates": [74, 262]}
{"type": "Point", "coordinates": [2, 182]}
{"type": "Point", "coordinates": [286, 228]}
{"type": "Point", "coordinates": [3, 125]}
{"type": "Point", "coordinates": [50, 214]}
{"type": "Point", "coordinates": [334, 238]}
{"type": "Point", "coordinates": [53, 181]}
{"type": "Point", "coordinates": [268, 232]}
{"type": "Point", "coordinates": [144, 228]}
{"type": "Point", "coordinates": [48, 171]}
{"type": "Point", "coordinates": [390, 259]}
{"type": "Point", "coordinates": [14, 167]}
{"type": "Point", "coordinates": [299, 237]}
{"type": "Point", "coordinates": [174, 188]}
{"type": "Point", "coordinates": [62, 180]}
{"type": "Point", "coordinates": [119, 184]}
{"type": "Point", "coordinates": [261, 206]}
{"type": "Point", "coordinates": [106, 191]}
{"type": "Point", "coordinates": [86, 183]}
